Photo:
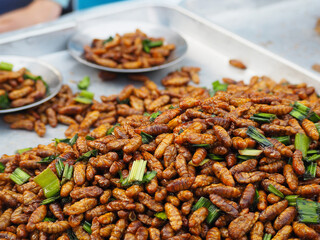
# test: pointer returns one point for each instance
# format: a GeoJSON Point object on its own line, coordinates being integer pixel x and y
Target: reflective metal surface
{"type": "Point", "coordinates": [103, 31]}
{"type": "Point", "coordinates": [49, 74]}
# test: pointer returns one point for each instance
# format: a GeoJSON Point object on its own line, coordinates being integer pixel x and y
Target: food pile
{"type": "Point", "coordinates": [238, 161]}
{"type": "Point", "coordinates": [19, 88]}
{"type": "Point", "coordinates": [130, 51]}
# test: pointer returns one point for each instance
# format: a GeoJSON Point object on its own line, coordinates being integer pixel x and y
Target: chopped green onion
{"type": "Point", "coordinates": [308, 211]}
{"type": "Point", "coordinates": [124, 101]}
{"type": "Point", "coordinates": [83, 100]}
{"type": "Point", "coordinates": [154, 115]}
{"type": "Point", "coordinates": [313, 158]}
{"type": "Point", "coordinates": [90, 138]}
{"type": "Point", "coordinates": [297, 114]}
{"type": "Point", "coordinates": [50, 200]}
{"type": "Point", "coordinates": [267, 236]}
{"type": "Point", "coordinates": [217, 86]}
{"type": "Point", "coordinates": [73, 140]}
{"type": "Point", "coordinates": [86, 94]}
{"type": "Point", "coordinates": [146, 114]}
{"type": "Point", "coordinates": [84, 83]}
{"type": "Point", "coordinates": [300, 107]}
{"type": "Point", "coordinates": [146, 138]}
{"type": "Point", "coordinates": [136, 172]}
{"type": "Point", "coordinates": [49, 219]}
{"type": "Point", "coordinates": [59, 168]}
{"type": "Point", "coordinates": [201, 145]}
{"type": "Point", "coordinates": [317, 127]}
{"type": "Point", "coordinates": [256, 197]}
{"type": "Point", "coordinates": [87, 155]}
{"type": "Point", "coordinates": [250, 152]}
{"type": "Point", "coordinates": [6, 66]}
{"type": "Point", "coordinates": [310, 171]}
{"type": "Point", "coordinates": [20, 151]}
{"type": "Point", "coordinates": [215, 157]}
{"type": "Point", "coordinates": [67, 173]}
{"type": "Point", "coordinates": [48, 159]}
{"type": "Point", "coordinates": [161, 215]}
{"type": "Point", "coordinates": [2, 167]}
{"type": "Point", "coordinates": [110, 130]}
{"type": "Point", "coordinates": [145, 46]}
{"type": "Point", "coordinates": [204, 161]}
{"type": "Point", "coordinates": [71, 235]}
{"type": "Point", "coordinates": [283, 139]}
{"type": "Point", "coordinates": [180, 131]}
{"type": "Point", "coordinates": [258, 137]}
{"type": "Point", "coordinates": [313, 151]}
{"type": "Point", "coordinates": [275, 191]}
{"type": "Point", "coordinates": [245, 158]}
{"type": "Point", "coordinates": [263, 117]}
{"type": "Point", "coordinates": [49, 183]}
{"type": "Point", "coordinates": [153, 44]}
{"type": "Point", "coordinates": [292, 199]}
{"type": "Point", "coordinates": [29, 75]}
{"type": "Point", "coordinates": [149, 176]}
{"type": "Point", "coordinates": [314, 117]}
{"type": "Point", "coordinates": [4, 101]}
{"type": "Point", "coordinates": [173, 107]}
{"type": "Point", "coordinates": [19, 176]}
{"type": "Point", "coordinates": [302, 142]}
{"type": "Point", "coordinates": [87, 227]}
{"type": "Point", "coordinates": [213, 210]}
{"type": "Point", "coordinates": [109, 39]}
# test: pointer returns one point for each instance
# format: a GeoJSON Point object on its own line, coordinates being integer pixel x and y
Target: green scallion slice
{"type": "Point", "coordinates": [87, 227]}
{"type": "Point", "coordinates": [250, 152]}
{"type": "Point", "coordinates": [310, 171]}
{"type": "Point", "coordinates": [2, 167]}
{"type": "Point", "coordinates": [258, 137]}
{"type": "Point", "coordinates": [49, 183]}
{"type": "Point", "coordinates": [50, 200]}
{"type": "Point", "coordinates": [146, 138]}
{"type": "Point", "coordinates": [59, 168]}
{"type": "Point", "coordinates": [19, 176]}
{"type": "Point", "coordinates": [283, 139]}
{"type": "Point", "coordinates": [302, 142]}
{"type": "Point", "coordinates": [161, 215]}
{"type": "Point", "coordinates": [84, 83]}
{"type": "Point", "coordinates": [275, 191]}
{"type": "Point", "coordinates": [20, 151]}
{"type": "Point", "coordinates": [6, 66]}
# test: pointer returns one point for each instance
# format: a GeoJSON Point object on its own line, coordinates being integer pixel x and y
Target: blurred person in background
{"type": "Point", "coordinates": [17, 14]}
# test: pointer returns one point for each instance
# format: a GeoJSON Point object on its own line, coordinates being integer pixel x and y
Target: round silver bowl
{"type": "Point", "coordinates": [102, 31]}
{"type": "Point", "coordinates": [49, 74]}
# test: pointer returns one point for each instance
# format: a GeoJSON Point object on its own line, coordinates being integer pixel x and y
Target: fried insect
{"type": "Point", "coordinates": [310, 129]}
{"type": "Point", "coordinates": [222, 190]}
{"type": "Point", "coordinates": [291, 177]}
{"type": "Point", "coordinates": [81, 206]}
{"type": "Point", "coordinates": [256, 232]}
{"type": "Point", "coordinates": [5, 218]}
{"type": "Point", "coordinates": [304, 232]}
{"type": "Point", "coordinates": [223, 174]}
{"type": "Point", "coordinates": [224, 205]}
{"type": "Point", "coordinates": [174, 216]}
{"type": "Point", "coordinates": [241, 225]}
{"type": "Point", "coordinates": [297, 163]}
{"type": "Point", "coordinates": [51, 228]}
{"type": "Point", "coordinates": [271, 212]}
{"type": "Point", "coordinates": [285, 218]}
{"type": "Point", "coordinates": [247, 197]}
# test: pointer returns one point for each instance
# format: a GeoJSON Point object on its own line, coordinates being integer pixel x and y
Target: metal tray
{"type": "Point", "coordinates": [210, 47]}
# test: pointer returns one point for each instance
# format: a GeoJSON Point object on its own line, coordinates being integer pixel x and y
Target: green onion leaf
{"type": "Point", "coordinates": [245, 158]}
{"type": "Point", "coordinates": [263, 117]}
{"type": "Point", "coordinates": [87, 227]}
{"type": "Point", "coordinates": [50, 200]}
{"type": "Point", "coordinates": [283, 139]}
{"type": "Point", "coordinates": [153, 44]}
{"type": "Point", "coordinates": [275, 191]}
{"type": "Point", "coordinates": [149, 176]}
{"type": "Point", "coordinates": [4, 101]}
{"type": "Point", "coordinates": [71, 235]}
{"type": "Point", "coordinates": [215, 157]}
{"type": "Point", "coordinates": [109, 39]}
{"type": "Point", "coordinates": [59, 167]}
{"type": "Point", "coordinates": [314, 117]}
{"type": "Point", "coordinates": [145, 45]}
{"type": "Point", "coordinates": [110, 130]}
{"type": "Point", "coordinates": [202, 202]}
{"type": "Point", "coordinates": [49, 219]}
{"type": "Point", "coordinates": [180, 131]}
{"type": "Point", "coordinates": [49, 183]}
{"type": "Point", "coordinates": [136, 173]}
{"type": "Point", "coordinates": [6, 66]}
{"type": "Point", "coordinates": [292, 199]}
{"type": "Point", "coordinates": [297, 114]}
{"type": "Point", "coordinates": [217, 86]}
{"type": "Point", "coordinates": [313, 158]}
{"type": "Point", "coordinates": [308, 211]}
{"type": "Point", "coordinates": [48, 159]}
{"type": "Point", "coordinates": [19, 176]}
{"type": "Point", "coordinates": [317, 126]}
{"type": "Point", "coordinates": [213, 210]}
{"type": "Point", "coordinates": [267, 236]}
{"type": "Point", "coordinates": [302, 142]}
{"type": "Point", "coordinates": [20, 151]}
{"type": "Point", "coordinates": [2, 167]}
{"type": "Point", "coordinates": [154, 115]}
{"type": "Point", "coordinates": [250, 152]}
{"type": "Point", "coordinates": [310, 171]}
{"type": "Point", "coordinates": [146, 114]}
{"type": "Point", "coordinates": [87, 155]}
{"type": "Point", "coordinates": [258, 137]}
{"type": "Point", "coordinates": [67, 173]}
{"type": "Point", "coordinates": [201, 145]}
{"type": "Point", "coordinates": [173, 107]}
{"type": "Point", "coordinates": [86, 94]}
{"type": "Point", "coordinates": [84, 83]}
{"type": "Point", "coordinates": [90, 138]}
{"type": "Point", "coordinates": [146, 138]}
{"type": "Point", "coordinates": [161, 215]}
{"type": "Point", "coordinates": [299, 111]}
{"type": "Point", "coordinates": [31, 76]}
{"type": "Point", "coordinates": [83, 100]}
{"type": "Point", "coordinates": [313, 151]}
{"type": "Point", "coordinates": [73, 140]}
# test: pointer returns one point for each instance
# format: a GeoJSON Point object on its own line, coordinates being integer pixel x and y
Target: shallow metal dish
{"type": "Point", "coordinates": [49, 74]}
{"type": "Point", "coordinates": [102, 31]}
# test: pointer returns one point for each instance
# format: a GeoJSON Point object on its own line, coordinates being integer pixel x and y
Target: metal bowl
{"type": "Point", "coordinates": [103, 31]}
{"type": "Point", "coordinates": [49, 74]}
